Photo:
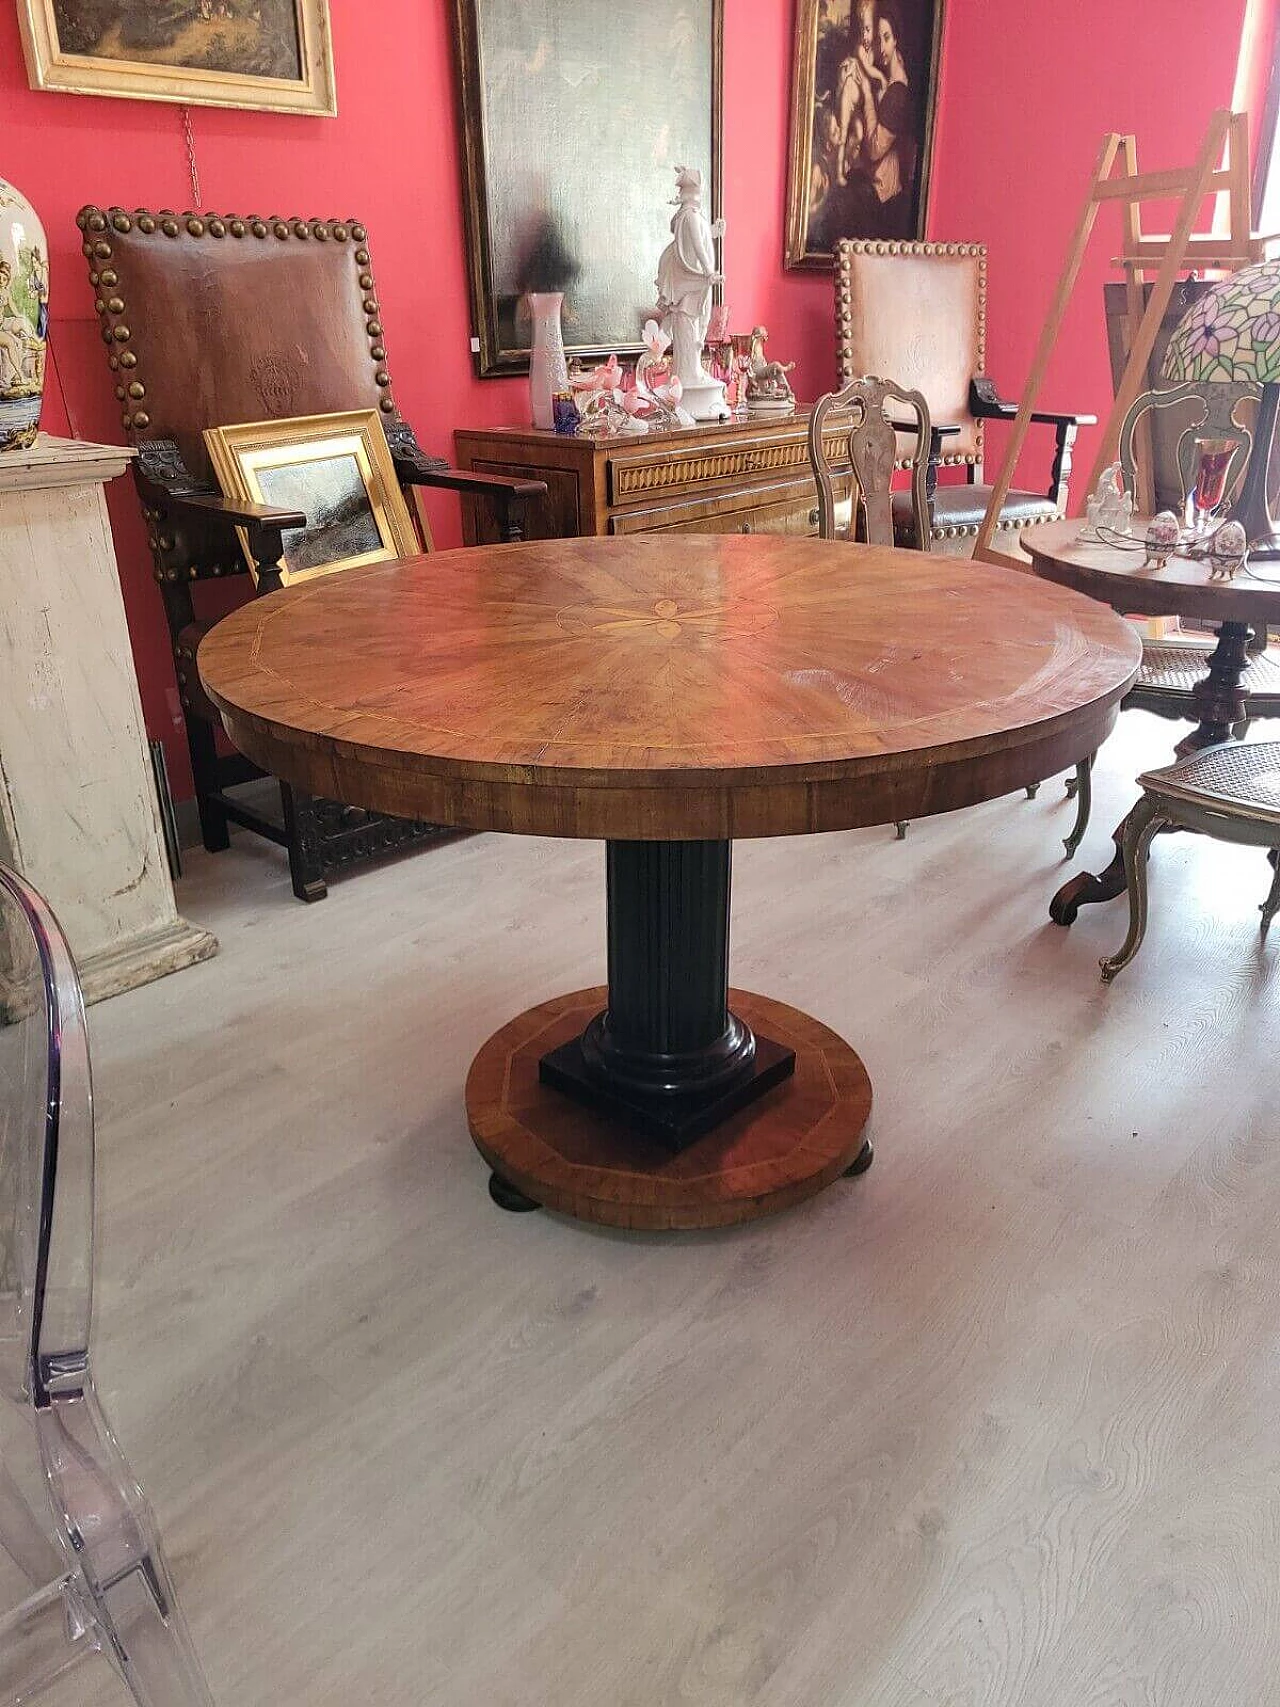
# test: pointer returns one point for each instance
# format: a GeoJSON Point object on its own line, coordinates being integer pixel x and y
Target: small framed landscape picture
{"type": "Point", "coordinates": [863, 92]}
{"type": "Point", "coordinates": [220, 53]}
{"type": "Point", "coordinates": [335, 469]}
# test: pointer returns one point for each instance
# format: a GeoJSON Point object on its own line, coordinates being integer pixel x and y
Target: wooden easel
{"type": "Point", "coordinates": [1173, 253]}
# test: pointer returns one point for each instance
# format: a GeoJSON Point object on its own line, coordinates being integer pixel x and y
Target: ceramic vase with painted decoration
{"type": "Point", "coordinates": [24, 318]}
{"type": "Point", "coordinates": [548, 369]}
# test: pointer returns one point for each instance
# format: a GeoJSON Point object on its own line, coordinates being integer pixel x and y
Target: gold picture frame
{"type": "Point", "coordinates": [337, 470]}
{"type": "Point", "coordinates": [836, 186]}
{"type": "Point", "coordinates": [63, 42]}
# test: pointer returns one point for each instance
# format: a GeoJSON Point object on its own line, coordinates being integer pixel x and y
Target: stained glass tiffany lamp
{"type": "Point", "coordinates": [1231, 336]}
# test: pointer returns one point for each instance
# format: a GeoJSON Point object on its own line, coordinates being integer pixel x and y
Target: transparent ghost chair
{"type": "Point", "coordinates": [80, 1554]}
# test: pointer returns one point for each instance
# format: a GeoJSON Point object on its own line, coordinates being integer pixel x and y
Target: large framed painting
{"type": "Point", "coordinates": [574, 114]}
{"type": "Point", "coordinates": [863, 95]}
{"type": "Point", "coordinates": [216, 53]}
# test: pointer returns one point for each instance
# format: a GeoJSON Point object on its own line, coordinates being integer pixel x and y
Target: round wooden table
{"type": "Point", "coordinates": [1116, 577]}
{"type": "Point", "coordinates": [668, 695]}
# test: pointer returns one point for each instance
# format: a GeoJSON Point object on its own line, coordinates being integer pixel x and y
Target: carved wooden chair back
{"type": "Point", "coordinates": [1190, 412]}
{"type": "Point", "coordinates": [876, 445]}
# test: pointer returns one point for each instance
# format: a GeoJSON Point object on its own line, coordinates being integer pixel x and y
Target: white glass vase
{"type": "Point", "coordinates": [548, 370]}
{"type": "Point", "coordinates": [24, 318]}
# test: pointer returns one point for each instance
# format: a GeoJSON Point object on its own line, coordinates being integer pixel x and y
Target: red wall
{"type": "Point", "coordinates": [1028, 91]}
{"type": "Point", "coordinates": [1028, 86]}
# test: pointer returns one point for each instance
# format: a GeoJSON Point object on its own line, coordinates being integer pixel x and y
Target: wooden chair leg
{"type": "Point", "coordinates": [1033, 788]}
{"type": "Point", "coordinates": [305, 869]}
{"type": "Point", "coordinates": [1143, 823]}
{"type": "Point", "coordinates": [901, 827]}
{"type": "Point", "coordinates": [1272, 902]}
{"type": "Point", "coordinates": [1081, 787]}
{"type": "Point", "coordinates": [214, 832]}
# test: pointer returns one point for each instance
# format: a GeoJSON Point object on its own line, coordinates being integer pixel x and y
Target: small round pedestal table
{"type": "Point", "coordinates": [668, 696]}
{"type": "Point", "coordinates": [1116, 577]}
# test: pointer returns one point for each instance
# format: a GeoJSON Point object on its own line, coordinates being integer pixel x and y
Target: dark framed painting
{"type": "Point", "coordinates": [574, 115]}
{"type": "Point", "coordinates": [274, 54]}
{"type": "Point", "coordinates": [864, 93]}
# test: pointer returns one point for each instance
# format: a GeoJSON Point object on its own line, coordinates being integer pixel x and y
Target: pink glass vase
{"type": "Point", "coordinates": [548, 370]}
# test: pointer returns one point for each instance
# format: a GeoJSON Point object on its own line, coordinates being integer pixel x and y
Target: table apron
{"type": "Point", "coordinates": [683, 811]}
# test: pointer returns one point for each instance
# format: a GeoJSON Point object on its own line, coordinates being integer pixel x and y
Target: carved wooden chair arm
{"type": "Point", "coordinates": [482, 485]}
{"type": "Point", "coordinates": [415, 468]}
{"type": "Point", "coordinates": [171, 493]}
{"type": "Point", "coordinates": [986, 404]}
{"type": "Point", "coordinates": [235, 513]}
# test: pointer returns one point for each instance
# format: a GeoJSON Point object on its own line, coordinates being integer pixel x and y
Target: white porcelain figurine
{"type": "Point", "coordinates": [1110, 508]}
{"type": "Point", "coordinates": [686, 277]}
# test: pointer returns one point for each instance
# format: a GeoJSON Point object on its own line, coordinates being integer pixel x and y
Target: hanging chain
{"type": "Point", "coordinates": [189, 134]}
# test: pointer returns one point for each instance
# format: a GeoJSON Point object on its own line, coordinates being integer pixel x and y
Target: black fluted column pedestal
{"type": "Point", "coordinates": [667, 1056]}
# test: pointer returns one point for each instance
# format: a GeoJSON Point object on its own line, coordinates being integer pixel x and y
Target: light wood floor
{"type": "Point", "coordinates": [996, 1424]}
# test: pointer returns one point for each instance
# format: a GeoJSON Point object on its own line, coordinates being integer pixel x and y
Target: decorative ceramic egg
{"type": "Point", "coordinates": [1227, 551]}
{"type": "Point", "coordinates": [1163, 534]}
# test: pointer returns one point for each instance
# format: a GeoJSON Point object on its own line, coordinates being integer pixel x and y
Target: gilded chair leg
{"type": "Point", "coordinates": [1272, 902]}
{"type": "Point", "coordinates": [1083, 793]}
{"type": "Point", "coordinates": [901, 827]}
{"type": "Point", "coordinates": [1143, 824]}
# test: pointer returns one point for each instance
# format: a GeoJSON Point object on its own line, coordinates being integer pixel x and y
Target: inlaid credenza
{"type": "Point", "coordinates": [722, 477]}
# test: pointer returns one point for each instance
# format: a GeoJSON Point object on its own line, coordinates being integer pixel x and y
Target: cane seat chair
{"type": "Point", "coordinates": [1167, 420]}
{"type": "Point", "coordinates": [1231, 792]}
{"type": "Point", "coordinates": [76, 1536]}
{"type": "Point", "coordinates": [1170, 672]}
{"type": "Point", "coordinates": [212, 320]}
{"type": "Point", "coordinates": [919, 312]}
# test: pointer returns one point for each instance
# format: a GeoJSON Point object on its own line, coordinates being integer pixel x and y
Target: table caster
{"type": "Point", "coordinates": [505, 1195]}
{"type": "Point", "coordinates": [862, 1161]}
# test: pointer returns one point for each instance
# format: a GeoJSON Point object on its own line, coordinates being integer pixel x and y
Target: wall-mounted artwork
{"type": "Point", "coordinates": [222, 53]}
{"type": "Point", "coordinates": [574, 115]}
{"type": "Point", "coordinates": [863, 94]}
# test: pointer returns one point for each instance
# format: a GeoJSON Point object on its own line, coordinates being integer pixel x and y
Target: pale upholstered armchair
{"type": "Point", "coordinates": [918, 311]}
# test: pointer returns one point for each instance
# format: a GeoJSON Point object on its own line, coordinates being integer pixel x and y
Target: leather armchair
{"type": "Point", "coordinates": [209, 320]}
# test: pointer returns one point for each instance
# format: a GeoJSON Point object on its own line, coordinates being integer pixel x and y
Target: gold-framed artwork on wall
{"type": "Point", "coordinates": [270, 54]}
{"type": "Point", "coordinates": [574, 114]}
{"type": "Point", "coordinates": [864, 94]}
{"type": "Point", "coordinates": [335, 469]}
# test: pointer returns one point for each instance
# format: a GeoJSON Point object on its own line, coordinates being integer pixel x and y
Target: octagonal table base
{"type": "Point", "coordinates": [549, 1150]}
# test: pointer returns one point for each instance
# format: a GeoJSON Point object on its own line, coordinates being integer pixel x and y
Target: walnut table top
{"type": "Point", "coordinates": [1116, 576]}
{"type": "Point", "coordinates": [699, 686]}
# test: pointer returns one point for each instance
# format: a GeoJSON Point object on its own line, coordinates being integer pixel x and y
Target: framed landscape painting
{"type": "Point", "coordinates": [574, 116]}
{"type": "Point", "coordinates": [863, 95]}
{"type": "Point", "coordinates": [274, 54]}
{"type": "Point", "coordinates": [335, 469]}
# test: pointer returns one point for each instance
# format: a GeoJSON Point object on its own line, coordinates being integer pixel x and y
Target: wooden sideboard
{"type": "Point", "coordinates": [721, 477]}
